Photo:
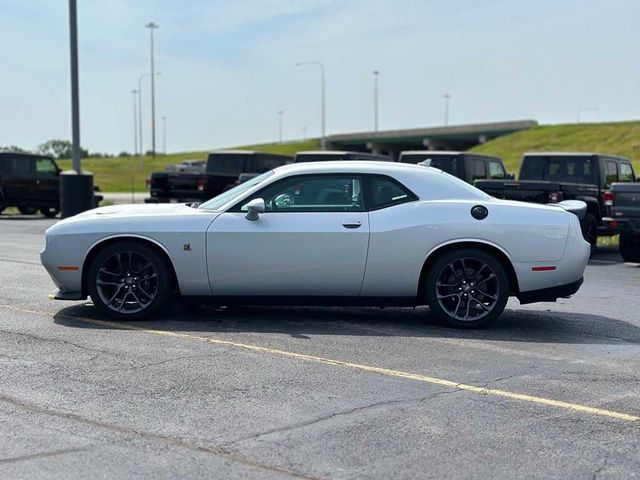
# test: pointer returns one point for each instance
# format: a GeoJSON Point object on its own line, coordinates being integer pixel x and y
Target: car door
{"type": "Point", "coordinates": [18, 179]}
{"type": "Point", "coordinates": [47, 189]}
{"type": "Point", "coordinates": [311, 240]}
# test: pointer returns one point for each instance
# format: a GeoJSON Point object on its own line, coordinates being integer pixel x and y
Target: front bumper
{"type": "Point", "coordinates": [550, 294]}
{"type": "Point", "coordinates": [58, 294]}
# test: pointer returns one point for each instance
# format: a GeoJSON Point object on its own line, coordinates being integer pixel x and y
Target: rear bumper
{"type": "Point", "coordinates": [622, 225]}
{"type": "Point", "coordinates": [550, 294]}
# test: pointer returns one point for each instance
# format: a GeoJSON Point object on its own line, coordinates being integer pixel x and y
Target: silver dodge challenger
{"type": "Point", "coordinates": [327, 233]}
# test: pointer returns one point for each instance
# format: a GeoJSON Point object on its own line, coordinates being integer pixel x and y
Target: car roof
{"type": "Point", "coordinates": [447, 152]}
{"type": "Point", "coordinates": [352, 166]}
{"type": "Point", "coordinates": [571, 154]}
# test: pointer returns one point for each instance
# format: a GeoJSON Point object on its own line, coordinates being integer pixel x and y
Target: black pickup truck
{"type": "Point", "coordinates": [464, 165]}
{"type": "Point", "coordinates": [624, 218]}
{"type": "Point", "coordinates": [552, 177]}
{"type": "Point", "coordinates": [223, 169]}
{"type": "Point", "coordinates": [31, 183]}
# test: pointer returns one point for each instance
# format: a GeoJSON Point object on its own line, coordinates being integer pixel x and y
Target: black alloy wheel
{"type": "Point", "coordinates": [467, 288]}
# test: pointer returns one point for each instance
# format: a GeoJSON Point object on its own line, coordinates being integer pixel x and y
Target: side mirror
{"type": "Point", "coordinates": [254, 208]}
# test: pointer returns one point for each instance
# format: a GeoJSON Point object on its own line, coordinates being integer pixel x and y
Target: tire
{"type": "Point", "coordinates": [49, 212]}
{"type": "Point", "coordinates": [27, 210]}
{"type": "Point", "coordinates": [589, 226]}
{"type": "Point", "coordinates": [476, 297]}
{"type": "Point", "coordinates": [129, 280]}
{"type": "Point", "coordinates": [630, 247]}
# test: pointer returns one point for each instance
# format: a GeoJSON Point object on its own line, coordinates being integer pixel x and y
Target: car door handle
{"type": "Point", "coordinates": [352, 224]}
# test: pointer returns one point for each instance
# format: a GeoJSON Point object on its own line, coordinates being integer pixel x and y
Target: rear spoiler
{"type": "Point", "coordinates": [577, 207]}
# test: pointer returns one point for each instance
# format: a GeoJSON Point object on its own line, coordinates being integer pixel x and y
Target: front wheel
{"type": "Point", "coordinates": [129, 280]}
{"type": "Point", "coordinates": [27, 210]}
{"type": "Point", "coordinates": [49, 212]}
{"type": "Point", "coordinates": [467, 288]}
{"type": "Point", "coordinates": [630, 247]}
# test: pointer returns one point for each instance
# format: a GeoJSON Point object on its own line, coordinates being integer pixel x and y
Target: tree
{"type": "Point", "coordinates": [13, 148]}
{"type": "Point", "coordinates": [60, 149]}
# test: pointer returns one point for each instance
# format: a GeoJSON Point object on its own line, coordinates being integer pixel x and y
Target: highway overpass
{"type": "Point", "coordinates": [456, 137]}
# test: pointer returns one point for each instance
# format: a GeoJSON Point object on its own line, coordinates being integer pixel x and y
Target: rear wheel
{"type": "Point", "coordinates": [27, 210]}
{"type": "Point", "coordinates": [589, 226]}
{"type": "Point", "coordinates": [467, 288]}
{"type": "Point", "coordinates": [129, 280]}
{"type": "Point", "coordinates": [49, 212]}
{"type": "Point", "coordinates": [630, 247]}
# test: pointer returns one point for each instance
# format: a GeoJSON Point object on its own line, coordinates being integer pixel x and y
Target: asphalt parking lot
{"type": "Point", "coordinates": [550, 391]}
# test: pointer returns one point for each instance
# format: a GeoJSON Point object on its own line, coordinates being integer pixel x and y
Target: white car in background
{"type": "Point", "coordinates": [325, 233]}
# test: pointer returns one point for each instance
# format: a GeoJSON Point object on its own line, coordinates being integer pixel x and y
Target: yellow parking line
{"type": "Point", "coordinates": [355, 366]}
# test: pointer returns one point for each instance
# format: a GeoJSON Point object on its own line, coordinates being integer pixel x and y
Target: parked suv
{"type": "Point", "coordinates": [464, 165]}
{"type": "Point", "coordinates": [623, 202]}
{"type": "Point", "coordinates": [223, 169]}
{"type": "Point", "coordinates": [552, 177]}
{"type": "Point", "coordinates": [30, 183]}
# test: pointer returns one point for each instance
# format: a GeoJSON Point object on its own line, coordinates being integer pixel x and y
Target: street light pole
{"type": "Point", "coordinates": [75, 96]}
{"type": "Point", "coordinates": [304, 134]}
{"type": "Point", "coordinates": [375, 99]}
{"type": "Point", "coordinates": [135, 122]}
{"type": "Point", "coordinates": [280, 112]}
{"type": "Point", "coordinates": [446, 108]}
{"type": "Point", "coordinates": [144, 75]}
{"type": "Point", "coordinates": [76, 187]}
{"type": "Point", "coordinates": [164, 135]}
{"type": "Point", "coordinates": [152, 26]}
{"type": "Point", "coordinates": [322, 95]}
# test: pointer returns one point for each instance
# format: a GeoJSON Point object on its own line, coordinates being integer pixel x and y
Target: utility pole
{"type": "Point", "coordinates": [75, 95]}
{"type": "Point", "coordinates": [280, 112]}
{"type": "Point", "coordinates": [164, 135]}
{"type": "Point", "coordinates": [446, 108]}
{"type": "Point", "coordinates": [152, 26]}
{"type": "Point", "coordinates": [76, 187]}
{"type": "Point", "coordinates": [375, 99]}
{"type": "Point", "coordinates": [135, 122]}
{"type": "Point", "coordinates": [304, 134]}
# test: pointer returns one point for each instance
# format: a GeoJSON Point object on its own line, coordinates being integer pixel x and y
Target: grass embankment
{"type": "Point", "coordinates": [622, 138]}
{"type": "Point", "coordinates": [124, 174]}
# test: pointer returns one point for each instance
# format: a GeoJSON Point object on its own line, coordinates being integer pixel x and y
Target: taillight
{"type": "Point", "coordinates": [555, 197]}
{"type": "Point", "coordinates": [201, 185]}
{"type": "Point", "coordinates": [614, 224]}
{"type": "Point", "coordinates": [148, 182]}
{"type": "Point", "coordinates": [608, 197]}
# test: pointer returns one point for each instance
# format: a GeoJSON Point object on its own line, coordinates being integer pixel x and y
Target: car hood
{"type": "Point", "coordinates": [136, 210]}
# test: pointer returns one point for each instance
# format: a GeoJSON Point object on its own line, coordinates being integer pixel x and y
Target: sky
{"type": "Point", "coordinates": [227, 67]}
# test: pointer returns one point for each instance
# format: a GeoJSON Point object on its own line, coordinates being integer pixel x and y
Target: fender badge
{"type": "Point", "coordinates": [186, 247]}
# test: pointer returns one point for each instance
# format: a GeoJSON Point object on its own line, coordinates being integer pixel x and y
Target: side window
{"type": "Point", "coordinates": [386, 192]}
{"type": "Point", "coordinates": [496, 170]}
{"type": "Point", "coordinates": [45, 166]}
{"type": "Point", "coordinates": [479, 170]}
{"type": "Point", "coordinates": [626, 173]}
{"type": "Point", "coordinates": [312, 193]}
{"type": "Point", "coordinates": [19, 166]}
{"type": "Point", "coordinates": [611, 172]}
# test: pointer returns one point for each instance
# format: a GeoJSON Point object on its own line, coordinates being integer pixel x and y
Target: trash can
{"type": "Point", "coordinates": [76, 193]}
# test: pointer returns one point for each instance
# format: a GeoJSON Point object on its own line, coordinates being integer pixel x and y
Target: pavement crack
{"type": "Point", "coordinates": [295, 426]}
{"type": "Point", "coordinates": [55, 340]}
{"type": "Point", "coordinates": [35, 456]}
{"type": "Point", "coordinates": [151, 436]}
{"type": "Point", "coordinates": [168, 360]}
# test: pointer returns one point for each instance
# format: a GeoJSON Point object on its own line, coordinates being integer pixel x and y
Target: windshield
{"type": "Point", "coordinates": [216, 202]}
